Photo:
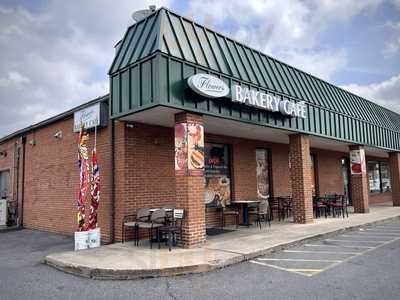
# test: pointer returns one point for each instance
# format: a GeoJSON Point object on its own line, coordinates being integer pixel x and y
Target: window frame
{"type": "Point", "coordinates": [379, 163]}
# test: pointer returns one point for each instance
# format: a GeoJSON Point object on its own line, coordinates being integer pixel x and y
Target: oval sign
{"type": "Point", "coordinates": [208, 86]}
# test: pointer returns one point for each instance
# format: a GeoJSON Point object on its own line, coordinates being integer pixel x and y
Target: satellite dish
{"type": "Point", "coordinates": [143, 13]}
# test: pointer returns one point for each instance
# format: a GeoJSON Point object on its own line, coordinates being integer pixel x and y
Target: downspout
{"type": "Point", "coordinates": [21, 222]}
{"type": "Point", "coordinates": [112, 222]}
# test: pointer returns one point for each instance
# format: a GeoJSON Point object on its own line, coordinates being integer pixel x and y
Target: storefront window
{"type": "Point", "coordinates": [4, 184]}
{"type": "Point", "coordinates": [385, 177]}
{"type": "Point", "coordinates": [374, 177]}
{"type": "Point", "coordinates": [378, 177]}
{"type": "Point", "coordinates": [263, 177]}
{"type": "Point", "coordinates": [217, 175]}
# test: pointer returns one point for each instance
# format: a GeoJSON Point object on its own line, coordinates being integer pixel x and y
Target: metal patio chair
{"type": "Point", "coordinates": [262, 214]}
{"type": "Point", "coordinates": [132, 221]}
{"type": "Point", "coordinates": [173, 228]}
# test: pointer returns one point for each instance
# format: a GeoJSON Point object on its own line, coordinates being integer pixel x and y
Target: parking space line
{"type": "Point", "coordinates": [339, 246]}
{"type": "Point", "coordinates": [353, 241]}
{"type": "Point", "coordinates": [383, 234]}
{"type": "Point", "coordinates": [381, 230]}
{"type": "Point", "coordinates": [365, 236]}
{"type": "Point", "coordinates": [323, 252]}
{"type": "Point", "coordinates": [298, 259]}
{"type": "Point", "coordinates": [287, 270]}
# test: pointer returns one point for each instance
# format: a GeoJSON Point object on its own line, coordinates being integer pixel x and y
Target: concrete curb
{"type": "Point", "coordinates": [130, 274]}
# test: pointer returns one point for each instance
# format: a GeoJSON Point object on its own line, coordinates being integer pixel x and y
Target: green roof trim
{"type": "Point", "coordinates": [205, 50]}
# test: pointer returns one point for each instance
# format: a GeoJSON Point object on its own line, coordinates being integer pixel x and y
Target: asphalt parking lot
{"type": "Point", "coordinates": [362, 264]}
{"type": "Point", "coordinates": [313, 258]}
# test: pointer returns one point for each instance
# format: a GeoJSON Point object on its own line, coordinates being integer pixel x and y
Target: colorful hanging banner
{"type": "Point", "coordinates": [83, 159]}
{"type": "Point", "coordinates": [94, 191]}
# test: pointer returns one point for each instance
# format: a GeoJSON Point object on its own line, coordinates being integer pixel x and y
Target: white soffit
{"type": "Point", "coordinates": [164, 116]}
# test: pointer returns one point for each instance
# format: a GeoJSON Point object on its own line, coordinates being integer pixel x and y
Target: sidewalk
{"type": "Point", "coordinates": [125, 261]}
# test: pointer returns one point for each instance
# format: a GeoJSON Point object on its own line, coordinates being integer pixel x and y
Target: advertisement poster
{"type": "Point", "coordinates": [217, 176]}
{"type": "Point", "coordinates": [262, 173]}
{"type": "Point", "coordinates": [357, 161]}
{"type": "Point", "coordinates": [181, 154]}
{"type": "Point", "coordinates": [195, 143]}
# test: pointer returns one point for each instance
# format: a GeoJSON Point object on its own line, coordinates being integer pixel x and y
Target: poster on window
{"type": "Point", "coordinates": [262, 173]}
{"type": "Point", "coordinates": [357, 161]}
{"type": "Point", "coordinates": [195, 143]}
{"type": "Point", "coordinates": [217, 176]}
{"type": "Point", "coordinates": [181, 154]}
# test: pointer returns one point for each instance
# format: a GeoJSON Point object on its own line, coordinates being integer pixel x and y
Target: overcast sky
{"type": "Point", "coordinates": [56, 54]}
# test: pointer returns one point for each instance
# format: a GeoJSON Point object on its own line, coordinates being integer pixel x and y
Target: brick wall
{"type": "Point", "coordinates": [52, 179]}
{"type": "Point", "coordinates": [301, 178]}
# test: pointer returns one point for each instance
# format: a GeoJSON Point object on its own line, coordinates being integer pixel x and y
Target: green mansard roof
{"type": "Point", "coordinates": [178, 37]}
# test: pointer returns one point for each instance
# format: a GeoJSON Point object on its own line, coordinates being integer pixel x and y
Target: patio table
{"type": "Point", "coordinates": [245, 205]}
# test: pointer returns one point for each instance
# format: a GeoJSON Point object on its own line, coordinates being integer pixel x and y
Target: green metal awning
{"type": "Point", "coordinates": [158, 53]}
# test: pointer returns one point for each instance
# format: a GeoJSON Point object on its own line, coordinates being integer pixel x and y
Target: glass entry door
{"type": "Point", "coordinates": [346, 179]}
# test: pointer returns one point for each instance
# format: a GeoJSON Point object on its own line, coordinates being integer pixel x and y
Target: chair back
{"type": "Point", "coordinates": [158, 216]}
{"type": "Point", "coordinates": [273, 201]}
{"type": "Point", "coordinates": [263, 207]}
{"type": "Point", "coordinates": [143, 214]}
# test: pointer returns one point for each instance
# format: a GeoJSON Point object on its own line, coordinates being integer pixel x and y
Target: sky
{"type": "Point", "coordinates": [55, 54]}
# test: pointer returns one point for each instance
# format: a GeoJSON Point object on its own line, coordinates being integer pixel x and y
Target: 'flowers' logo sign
{"type": "Point", "coordinates": [208, 86]}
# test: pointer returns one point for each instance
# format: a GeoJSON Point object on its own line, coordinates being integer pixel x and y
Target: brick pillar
{"type": "Point", "coordinates": [359, 180]}
{"type": "Point", "coordinates": [300, 173]}
{"type": "Point", "coordinates": [394, 161]}
{"type": "Point", "coordinates": [189, 181]}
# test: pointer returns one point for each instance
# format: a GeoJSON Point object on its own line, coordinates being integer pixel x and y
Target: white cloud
{"type": "Point", "coordinates": [57, 57]}
{"type": "Point", "coordinates": [392, 46]}
{"type": "Point", "coordinates": [319, 63]}
{"type": "Point", "coordinates": [385, 93]}
{"type": "Point", "coordinates": [289, 30]}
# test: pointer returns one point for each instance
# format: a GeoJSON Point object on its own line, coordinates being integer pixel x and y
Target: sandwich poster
{"type": "Point", "coordinates": [189, 149]}
{"type": "Point", "coordinates": [195, 149]}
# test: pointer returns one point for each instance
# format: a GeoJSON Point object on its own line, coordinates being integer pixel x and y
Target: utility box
{"type": "Point", "coordinates": [3, 212]}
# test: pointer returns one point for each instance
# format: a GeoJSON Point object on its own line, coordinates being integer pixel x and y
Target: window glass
{"type": "Point", "coordinates": [263, 178]}
{"type": "Point", "coordinates": [217, 175]}
{"type": "Point", "coordinates": [374, 177]}
{"type": "Point", "coordinates": [313, 178]}
{"type": "Point", "coordinates": [385, 177]}
{"type": "Point", "coordinates": [4, 184]}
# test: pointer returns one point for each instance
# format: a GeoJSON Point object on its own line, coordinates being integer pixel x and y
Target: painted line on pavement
{"type": "Point", "coordinates": [367, 236]}
{"type": "Point", "coordinates": [298, 259]}
{"type": "Point", "coordinates": [383, 234]}
{"type": "Point", "coordinates": [323, 252]}
{"type": "Point", "coordinates": [339, 246]}
{"type": "Point", "coordinates": [285, 269]}
{"type": "Point", "coordinates": [355, 241]}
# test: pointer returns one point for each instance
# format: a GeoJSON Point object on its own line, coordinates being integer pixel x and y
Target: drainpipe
{"type": "Point", "coordinates": [112, 222]}
{"type": "Point", "coordinates": [21, 222]}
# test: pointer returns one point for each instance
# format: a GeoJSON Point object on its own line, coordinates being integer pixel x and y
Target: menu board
{"type": "Point", "coordinates": [217, 175]}
{"type": "Point", "coordinates": [262, 173]}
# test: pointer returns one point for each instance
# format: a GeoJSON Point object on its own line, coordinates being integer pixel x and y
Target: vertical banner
{"type": "Point", "coordinates": [262, 173]}
{"type": "Point", "coordinates": [94, 191]}
{"type": "Point", "coordinates": [195, 142]}
{"type": "Point", "coordinates": [357, 161]}
{"type": "Point", "coordinates": [189, 149]}
{"type": "Point", "coordinates": [83, 158]}
{"type": "Point", "coordinates": [181, 155]}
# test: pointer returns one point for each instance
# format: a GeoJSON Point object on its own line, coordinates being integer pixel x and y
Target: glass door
{"type": "Point", "coordinates": [346, 179]}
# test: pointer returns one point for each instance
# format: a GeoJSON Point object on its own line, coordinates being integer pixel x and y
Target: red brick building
{"type": "Point", "coordinates": [248, 127]}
